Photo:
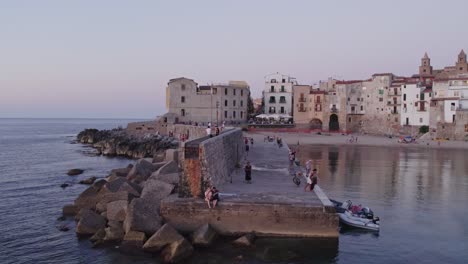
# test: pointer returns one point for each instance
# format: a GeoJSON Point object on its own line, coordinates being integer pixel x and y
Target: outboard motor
{"type": "Point", "coordinates": [367, 212]}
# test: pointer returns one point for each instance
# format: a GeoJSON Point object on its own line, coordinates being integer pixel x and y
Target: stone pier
{"type": "Point", "coordinates": [272, 205]}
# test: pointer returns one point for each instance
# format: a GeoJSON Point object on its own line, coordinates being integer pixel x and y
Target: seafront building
{"type": "Point", "coordinates": [186, 102]}
{"type": "Point", "coordinates": [278, 94]}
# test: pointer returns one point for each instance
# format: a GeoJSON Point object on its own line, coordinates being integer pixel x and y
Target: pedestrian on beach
{"type": "Point", "coordinates": [248, 172]}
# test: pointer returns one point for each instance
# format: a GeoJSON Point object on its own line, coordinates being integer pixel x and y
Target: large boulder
{"type": "Point", "coordinates": [204, 236]}
{"type": "Point", "coordinates": [99, 184]}
{"type": "Point", "coordinates": [133, 240]}
{"type": "Point", "coordinates": [177, 251]}
{"type": "Point", "coordinates": [159, 157]}
{"type": "Point", "coordinates": [143, 216]}
{"type": "Point", "coordinates": [172, 155]}
{"type": "Point", "coordinates": [74, 172]}
{"type": "Point", "coordinates": [114, 233]}
{"type": "Point", "coordinates": [89, 180]}
{"type": "Point", "coordinates": [106, 198]}
{"type": "Point", "coordinates": [163, 237]}
{"type": "Point", "coordinates": [99, 235]}
{"type": "Point", "coordinates": [88, 198]}
{"type": "Point", "coordinates": [90, 223]}
{"type": "Point", "coordinates": [121, 172]}
{"type": "Point", "coordinates": [171, 178]}
{"type": "Point", "coordinates": [70, 210]}
{"type": "Point", "coordinates": [170, 167]}
{"type": "Point", "coordinates": [121, 184]}
{"type": "Point", "coordinates": [156, 190]}
{"type": "Point", "coordinates": [245, 241]}
{"type": "Point", "coordinates": [140, 171]}
{"type": "Point", "coordinates": [117, 210]}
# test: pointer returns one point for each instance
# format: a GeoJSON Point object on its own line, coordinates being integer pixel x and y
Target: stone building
{"type": "Point", "coordinates": [308, 107]}
{"type": "Point", "coordinates": [427, 73]}
{"type": "Point", "coordinates": [189, 102]}
{"type": "Point", "coordinates": [278, 94]}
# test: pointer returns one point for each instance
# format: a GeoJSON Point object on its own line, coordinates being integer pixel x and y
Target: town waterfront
{"type": "Point", "coordinates": [419, 194]}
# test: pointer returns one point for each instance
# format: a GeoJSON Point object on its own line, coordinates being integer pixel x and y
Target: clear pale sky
{"type": "Point", "coordinates": [114, 58]}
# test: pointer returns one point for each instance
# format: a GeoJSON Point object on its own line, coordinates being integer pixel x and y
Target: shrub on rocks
{"type": "Point", "coordinates": [204, 236]}
{"type": "Point", "coordinates": [90, 223]}
{"type": "Point", "coordinates": [163, 237]}
{"type": "Point", "coordinates": [74, 172]}
{"type": "Point", "coordinates": [177, 251]}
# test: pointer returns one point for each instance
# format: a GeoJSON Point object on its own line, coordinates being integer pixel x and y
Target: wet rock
{"type": "Point", "coordinates": [141, 171]}
{"type": "Point", "coordinates": [143, 216]}
{"type": "Point", "coordinates": [99, 184]}
{"type": "Point", "coordinates": [163, 237]}
{"type": "Point", "coordinates": [74, 172]}
{"type": "Point", "coordinates": [88, 198]}
{"type": "Point", "coordinates": [89, 180]}
{"type": "Point", "coordinates": [114, 233]}
{"type": "Point", "coordinates": [177, 251]}
{"type": "Point", "coordinates": [117, 210]}
{"type": "Point", "coordinates": [61, 218]}
{"type": "Point", "coordinates": [204, 236]}
{"type": "Point", "coordinates": [99, 235]}
{"type": "Point", "coordinates": [70, 210]}
{"type": "Point", "coordinates": [133, 240]}
{"type": "Point", "coordinates": [90, 223]}
{"type": "Point", "coordinates": [64, 228]}
{"type": "Point", "coordinates": [121, 172]}
{"type": "Point", "coordinates": [245, 241]}
{"type": "Point", "coordinates": [64, 185]}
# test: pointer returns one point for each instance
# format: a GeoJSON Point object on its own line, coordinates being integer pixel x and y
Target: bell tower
{"type": "Point", "coordinates": [462, 65]}
{"type": "Point", "coordinates": [425, 69]}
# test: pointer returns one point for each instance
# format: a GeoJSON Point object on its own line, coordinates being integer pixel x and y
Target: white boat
{"type": "Point", "coordinates": [363, 219]}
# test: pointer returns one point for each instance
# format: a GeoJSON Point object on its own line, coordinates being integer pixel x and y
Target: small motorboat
{"type": "Point", "coordinates": [356, 216]}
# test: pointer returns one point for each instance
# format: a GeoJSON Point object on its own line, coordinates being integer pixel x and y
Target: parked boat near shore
{"type": "Point", "coordinates": [357, 216]}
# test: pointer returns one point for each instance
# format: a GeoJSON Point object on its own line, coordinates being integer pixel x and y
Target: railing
{"type": "Point", "coordinates": [302, 99]}
{"type": "Point", "coordinates": [282, 101]}
{"type": "Point", "coordinates": [393, 103]}
{"type": "Point", "coordinates": [272, 101]}
{"type": "Point", "coordinates": [302, 109]}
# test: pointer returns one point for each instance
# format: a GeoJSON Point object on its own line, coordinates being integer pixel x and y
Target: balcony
{"type": "Point", "coordinates": [302, 109]}
{"type": "Point", "coordinates": [302, 99]}
{"type": "Point", "coordinates": [394, 93]}
{"type": "Point", "coordinates": [272, 101]}
{"type": "Point", "coordinates": [282, 101]}
{"type": "Point", "coordinates": [421, 109]}
{"type": "Point", "coordinates": [397, 102]}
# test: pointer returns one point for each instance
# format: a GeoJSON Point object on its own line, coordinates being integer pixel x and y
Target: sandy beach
{"type": "Point", "coordinates": [363, 140]}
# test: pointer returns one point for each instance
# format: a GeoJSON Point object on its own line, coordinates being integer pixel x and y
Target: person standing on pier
{"type": "Point", "coordinates": [314, 179]}
{"type": "Point", "coordinates": [248, 172]}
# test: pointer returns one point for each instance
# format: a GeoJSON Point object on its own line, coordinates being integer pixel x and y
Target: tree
{"type": "Point", "coordinates": [250, 106]}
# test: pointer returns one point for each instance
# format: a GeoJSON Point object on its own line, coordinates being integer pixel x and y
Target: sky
{"type": "Point", "coordinates": [113, 59]}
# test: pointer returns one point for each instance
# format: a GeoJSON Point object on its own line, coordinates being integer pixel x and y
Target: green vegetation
{"type": "Point", "coordinates": [423, 129]}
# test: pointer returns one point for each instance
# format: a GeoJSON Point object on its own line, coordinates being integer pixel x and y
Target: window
{"type": "Point", "coordinates": [272, 100]}
{"type": "Point", "coordinates": [284, 80]}
{"type": "Point", "coordinates": [233, 114]}
{"type": "Point", "coordinates": [225, 91]}
{"type": "Point", "coordinates": [362, 108]}
{"type": "Point", "coordinates": [272, 89]}
{"type": "Point", "coordinates": [182, 112]}
{"type": "Point", "coordinates": [404, 97]}
{"type": "Point", "coordinates": [420, 120]}
{"type": "Point", "coordinates": [182, 86]}
{"type": "Point", "coordinates": [282, 88]}
{"type": "Point", "coordinates": [318, 99]}
{"type": "Point", "coordinates": [352, 109]}
{"type": "Point", "coordinates": [242, 103]}
{"type": "Point", "coordinates": [424, 70]}
{"type": "Point", "coordinates": [182, 99]}
{"type": "Point", "coordinates": [430, 94]}
{"type": "Point", "coordinates": [282, 110]}
{"type": "Point", "coordinates": [381, 99]}
{"type": "Point", "coordinates": [242, 114]}
{"type": "Point", "coordinates": [242, 92]}
{"type": "Point", "coordinates": [349, 119]}
{"type": "Point", "coordinates": [417, 95]}
{"type": "Point", "coordinates": [234, 103]}
{"type": "Point", "coordinates": [282, 99]}
{"type": "Point", "coordinates": [225, 103]}
{"type": "Point", "coordinates": [349, 99]}
{"type": "Point", "coordinates": [422, 97]}
{"type": "Point", "coordinates": [233, 91]}
{"type": "Point", "coordinates": [225, 114]}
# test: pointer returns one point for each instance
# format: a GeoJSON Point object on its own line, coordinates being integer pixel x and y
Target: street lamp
{"type": "Point", "coordinates": [217, 106]}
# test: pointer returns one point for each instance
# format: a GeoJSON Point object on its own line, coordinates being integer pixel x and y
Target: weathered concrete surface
{"type": "Point", "coordinates": [271, 206]}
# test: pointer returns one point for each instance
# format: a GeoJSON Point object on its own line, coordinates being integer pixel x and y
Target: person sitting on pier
{"type": "Point", "coordinates": [208, 196]}
{"type": "Point", "coordinates": [214, 196]}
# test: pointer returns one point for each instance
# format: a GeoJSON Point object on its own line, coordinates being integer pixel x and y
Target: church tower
{"type": "Point", "coordinates": [461, 65]}
{"type": "Point", "coordinates": [425, 69]}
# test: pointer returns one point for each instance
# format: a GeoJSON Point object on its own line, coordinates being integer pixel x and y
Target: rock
{"type": "Point", "coordinates": [89, 180]}
{"type": "Point", "coordinates": [90, 223]}
{"type": "Point", "coordinates": [163, 237]}
{"type": "Point", "coordinates": [140, 171]}
{"type": "Point", "coordinates": [88, 198]}
{"type": "Point", "coordinates": [170, 167]}
{"type": "Point", "coordinates": [143, 216]}
{"type": "Point", "coordinates": [70, 210]}
{"type": "Point", "coordinates": [61, 218]}
{"type": "Point", "coordinates": [245, 241]}
{"type": "Point", "coordinates": [121, 172]}
{"type": "Point", "coordinates": [177, 251]}
{"type": "Point", "coordinates": [172, 155]}
{"type": "Point", "coordinates": [117, 210]}
{"type": "Point", "coordinates": [171, 178]}
{"type": "Point", "coordinates": [114, 233]}
{"type": "Point", "coordinates": [64, 185]}
{"type": "Point", "coordinates": [99, 184]}
{"type": "Point", "coordinates": [156, 190]}
{"type": "Point", "coordinates": [106, 198]}
{"type": "Point", "coordinates": [64, 228]}
{"type": "Point", "coordinates": [99, 235]}
{"type": "Point", "coordinates": [121, 184]}
{"type": "Point", "coordinates": [133, 240]}
{"type": "Point", "coordinates": [74, 172]}
{"type": "Point", "coordinates": [204, 236]}
{"type": "Point", "coordinates": [159, 157]}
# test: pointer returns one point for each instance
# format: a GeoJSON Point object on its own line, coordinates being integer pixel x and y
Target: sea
{"type": "Point", "coordinates": [420, 195]}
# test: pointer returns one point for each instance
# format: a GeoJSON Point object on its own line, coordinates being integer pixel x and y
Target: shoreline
{"type": "Point", "coordinates": [292, 139]}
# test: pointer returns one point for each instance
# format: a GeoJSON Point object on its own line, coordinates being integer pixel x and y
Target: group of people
{"type": "Point", "coordinates": [218, 130]}
{"type": "Point", "coordinates": [212, 196]}
{"type": "Point", "coordinates": [247, 147]}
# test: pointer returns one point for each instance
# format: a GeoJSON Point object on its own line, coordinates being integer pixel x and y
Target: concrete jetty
{"type": "Point", "coordinates": [272, 205]}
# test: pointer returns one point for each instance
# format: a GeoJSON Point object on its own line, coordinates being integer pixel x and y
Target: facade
{"type": "Point", "coordinates": [416, 100]}
{"type": "Point", "coordinates": [278, 94]}
{"type": "Point", "coordinates": [308, 107]}
{"type": "Point", "coordinates": [189, 102]}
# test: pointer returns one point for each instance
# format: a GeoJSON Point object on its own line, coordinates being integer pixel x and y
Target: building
{"type": "Point", "coordinates": [308, 107]}
{"type": "Point", "coordinates": [189, 102]}
{"type": "Point", "coordinates": [415, 109]}
{"type": "Point", "coordinates": [278, 94]}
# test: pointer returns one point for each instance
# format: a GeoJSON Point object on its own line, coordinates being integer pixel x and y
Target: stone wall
{"type": "Point", "coordinates": [209, 161]}
{"type": "Point", "coordinates": [461, 125]}
{"type": "Point", "coordinates": [265, 219]}
{"type": "Point", "coordinates": [152, 127]}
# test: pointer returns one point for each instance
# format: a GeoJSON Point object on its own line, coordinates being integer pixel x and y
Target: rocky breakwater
{"type": "Point", "coordinates": [117, 142]}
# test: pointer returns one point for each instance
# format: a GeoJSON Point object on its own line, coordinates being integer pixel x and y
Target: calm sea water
{"type": "Point", "coordinates": [420, 195]}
